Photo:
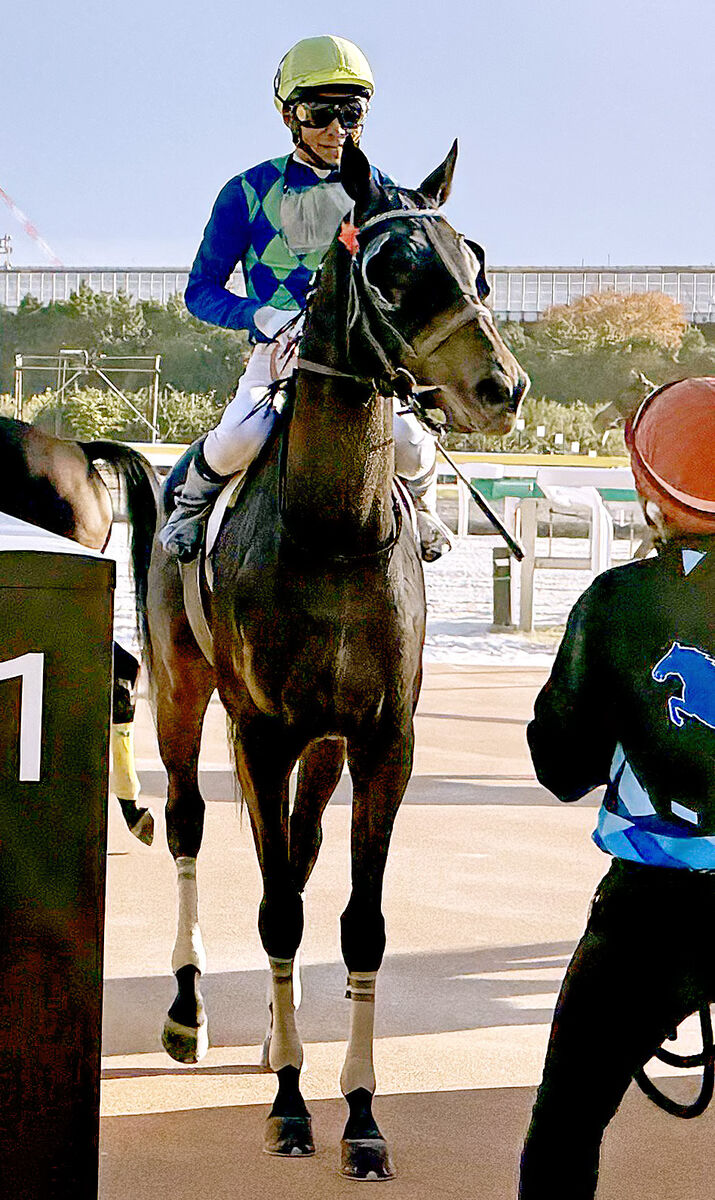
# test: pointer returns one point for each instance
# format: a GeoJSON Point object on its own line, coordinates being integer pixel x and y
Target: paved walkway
{"type": "Point", "coordinates": [487, 889]}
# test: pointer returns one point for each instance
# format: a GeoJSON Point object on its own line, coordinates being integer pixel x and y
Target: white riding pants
{"type": "Point", "coordinates": [243, 429]}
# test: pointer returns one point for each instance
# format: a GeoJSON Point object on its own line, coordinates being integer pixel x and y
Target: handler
{"type": "Point", "coordinates": [631, 703]}
{"type": "Point", "coordinates": [277, 220]}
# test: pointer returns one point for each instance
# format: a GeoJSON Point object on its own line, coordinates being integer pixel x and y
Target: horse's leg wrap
{"type": "Point", "coordinates": [358, 1070]}
{"type": "Point", "coordinates": [285, 1045]}
{"type": "Point", "coordinates": [124, 782]}
{"type": "Point", "coordinates": [364, 1153]}
{"type": "Point", "coordinates": [185, 1035]}
{"type": "Point", "coordinates": [124, 779]}
{"type": "Point", "coordinates": [189, 946]}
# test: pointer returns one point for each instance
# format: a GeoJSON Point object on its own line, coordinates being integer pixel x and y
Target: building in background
{"type": "Point", "coordinates": [518, 293]}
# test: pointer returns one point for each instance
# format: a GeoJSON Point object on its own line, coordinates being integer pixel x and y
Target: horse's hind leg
{"type": "Point", "coordinates": [182, 697]}
{"type": "Point", "coordinates": [378, 786]}
{"type": "Point", "coordinates": [124, 779]}
{"type": "Point", "coordinates": [264, 761]}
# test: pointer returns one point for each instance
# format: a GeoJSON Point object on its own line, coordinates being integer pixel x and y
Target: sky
{"type": "Point", "coordinates": [586, 127]}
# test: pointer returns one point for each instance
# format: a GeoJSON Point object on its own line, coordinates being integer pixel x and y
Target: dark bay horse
{"type": "Point", "coordinates": [318, 615]}
{"type": "Point", "coordinates": [54, 483]}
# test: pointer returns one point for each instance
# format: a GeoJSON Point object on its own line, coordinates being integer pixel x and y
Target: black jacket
{"type": "Point", "coordinates": [636, 669]}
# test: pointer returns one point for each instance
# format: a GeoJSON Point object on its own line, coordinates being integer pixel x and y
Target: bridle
{"type": "Point", "coordinates": [367, 302]}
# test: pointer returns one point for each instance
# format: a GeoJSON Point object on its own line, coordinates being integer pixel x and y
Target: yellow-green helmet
{"type": "Point", "coordinates": [324, 61]}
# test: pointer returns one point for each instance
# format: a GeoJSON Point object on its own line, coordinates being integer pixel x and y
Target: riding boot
{"type": "Point", "coordinates": [435, 537]}
{"type": "Point", "coordinates": [183, 533]}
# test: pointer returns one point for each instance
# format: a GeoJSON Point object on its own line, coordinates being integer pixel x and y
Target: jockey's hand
{"type": "Point", "coordinates": [269, 321]}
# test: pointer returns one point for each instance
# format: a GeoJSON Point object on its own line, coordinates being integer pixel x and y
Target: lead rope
{"type": "Point", "coordinates": [705, 1059]}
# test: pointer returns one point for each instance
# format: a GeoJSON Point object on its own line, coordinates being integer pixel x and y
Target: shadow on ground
{"type": "Point", "coordinates": [419, 993]}
{"type": "Point", "coordinates": [219, 786]}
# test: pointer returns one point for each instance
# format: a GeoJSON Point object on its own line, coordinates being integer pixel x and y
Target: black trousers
{"type": "Point", "coordinates": [645, 962]}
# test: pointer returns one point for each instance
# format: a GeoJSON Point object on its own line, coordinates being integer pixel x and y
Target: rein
{"type": "Point", "coordinates": [705, 1059]}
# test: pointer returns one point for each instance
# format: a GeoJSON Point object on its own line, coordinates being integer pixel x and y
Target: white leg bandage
{"type": "Point", "coordinates": [358, 1071]}
{"type": "Point", "coordinates": [286, 1049]}
{"type": "Point", "coordinates": [124, 782]}
{"type": "Point", "coordinates": [189, 946]}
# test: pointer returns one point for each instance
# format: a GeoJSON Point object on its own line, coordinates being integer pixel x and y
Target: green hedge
{"type": "Point", "coordinates": [92, 413]}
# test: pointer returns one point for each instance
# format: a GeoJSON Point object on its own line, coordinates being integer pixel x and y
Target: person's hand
{"type": "Point", "coordinates": [269, 321]}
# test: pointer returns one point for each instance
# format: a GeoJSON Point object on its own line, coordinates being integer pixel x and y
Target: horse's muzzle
{"type": "Point", "coordinates": [499, 397]}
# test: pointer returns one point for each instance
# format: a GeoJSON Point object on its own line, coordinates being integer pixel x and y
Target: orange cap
{"type": "Point", "coordinates": [672, 445]}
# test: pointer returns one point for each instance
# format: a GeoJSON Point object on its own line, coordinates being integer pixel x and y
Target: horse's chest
{"type": "Point", "coordinates": [336, 662]}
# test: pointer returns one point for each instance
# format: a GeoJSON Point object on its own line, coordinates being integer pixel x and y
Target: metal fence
{"type": "Point", "coordinates": [49, 284]}
{"type": "Point", "coordinates": [518, 293]}
{"type": "Point", "coordinates": [522, 293]}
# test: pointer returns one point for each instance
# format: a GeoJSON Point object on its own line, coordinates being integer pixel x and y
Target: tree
{"type": "Point", "coordinates": [590, 350]}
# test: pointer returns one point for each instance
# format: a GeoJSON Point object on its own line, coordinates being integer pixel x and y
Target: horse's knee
{"type": "Point", "coordinates": [185, 823]}
{"type": "Point", "coordinates": [280, 923]}
{"type": "Point", "coordinates": [362, 936]}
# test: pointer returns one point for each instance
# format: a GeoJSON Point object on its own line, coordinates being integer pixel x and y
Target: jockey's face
{"type": "Point", "coordinates": [327, 142]}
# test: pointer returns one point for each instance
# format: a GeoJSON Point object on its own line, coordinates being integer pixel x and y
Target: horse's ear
{"type": "Point", "coordinates": [437, 186]}
{"type": "Point", "coordinates": [356, 176]}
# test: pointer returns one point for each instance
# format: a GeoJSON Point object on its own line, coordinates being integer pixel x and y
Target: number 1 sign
{"type": "Point", "coordinates": [29, 668]}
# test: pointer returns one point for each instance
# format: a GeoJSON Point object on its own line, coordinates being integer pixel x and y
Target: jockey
{"type": "Point", "coordinates": [277, 220]}
{"type": "Point", "coordinates": [631, 704]}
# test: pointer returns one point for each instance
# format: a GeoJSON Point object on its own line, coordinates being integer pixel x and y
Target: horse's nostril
{"type": "Point", "coordinates": [496, 390]}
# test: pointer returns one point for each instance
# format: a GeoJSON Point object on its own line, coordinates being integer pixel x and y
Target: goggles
{"type": "Point", "coordinates": [318, 114]}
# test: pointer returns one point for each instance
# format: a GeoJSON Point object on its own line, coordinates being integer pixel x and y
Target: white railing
{"type": "Point", "coordinates": [576, 490]}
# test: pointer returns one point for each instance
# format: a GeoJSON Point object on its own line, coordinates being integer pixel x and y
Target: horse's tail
{"type": "Point", "coordinates": [141, 487]}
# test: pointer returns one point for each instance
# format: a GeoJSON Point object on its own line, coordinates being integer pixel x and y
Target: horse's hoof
{"type": "Point", "coordinates": [185, 1043]}
{"type": "Point", "coordinates": [291, 1137]}
{"type": "Point", "coordinates": [144, 827]}
{"type": "Point", "coordinates": [366, 1160]}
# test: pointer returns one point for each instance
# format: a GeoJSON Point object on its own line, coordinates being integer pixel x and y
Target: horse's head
{"type": "Point", "coordinates": [418, 299]}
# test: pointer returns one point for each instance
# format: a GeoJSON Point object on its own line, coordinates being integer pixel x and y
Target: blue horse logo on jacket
{"type": "Point", "coordinates": [696, 671]}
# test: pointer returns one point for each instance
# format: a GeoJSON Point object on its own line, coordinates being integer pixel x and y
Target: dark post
{"type": "Point", "coordinates": [55, 694]}
{"type": "Point", "coordinates": [502, 588]}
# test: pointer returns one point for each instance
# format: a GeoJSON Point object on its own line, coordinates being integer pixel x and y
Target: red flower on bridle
{"type": "Point", "coordinates": [349, 237]}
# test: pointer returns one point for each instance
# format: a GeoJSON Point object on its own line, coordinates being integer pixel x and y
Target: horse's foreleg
{"type": "Point", "coordinates": [264, 764]}
{"type": "Point", "coordinates": [318, 776]}
{"type": "Point", "coordinates": [180, 717]}
{"type": "Point", "coordinates": [319, 772]}
{"type": "Point", "coordinates": [378, 788]}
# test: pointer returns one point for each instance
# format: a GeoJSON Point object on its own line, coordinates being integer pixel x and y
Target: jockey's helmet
{"type": "Point", "coordinates": [671, 440]}
{"type": "Point", "coordinates": [320, 64]}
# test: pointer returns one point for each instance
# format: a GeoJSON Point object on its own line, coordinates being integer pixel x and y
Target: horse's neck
{"type": "Point", "coordinates": [340, 450]}
{"type": "Point", "coordinates": [339, 467]}
{"type": "Point", "coordinates": [340, 458]}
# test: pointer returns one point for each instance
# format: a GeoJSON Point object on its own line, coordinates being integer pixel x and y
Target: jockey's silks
{"type": "Point", "coordinates": [631, 704]}
{"type": "Point", "coordinates": [276, 221]}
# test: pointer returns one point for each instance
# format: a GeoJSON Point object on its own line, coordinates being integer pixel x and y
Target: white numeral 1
{"type": "Point", "coordinates": [29, 668]}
